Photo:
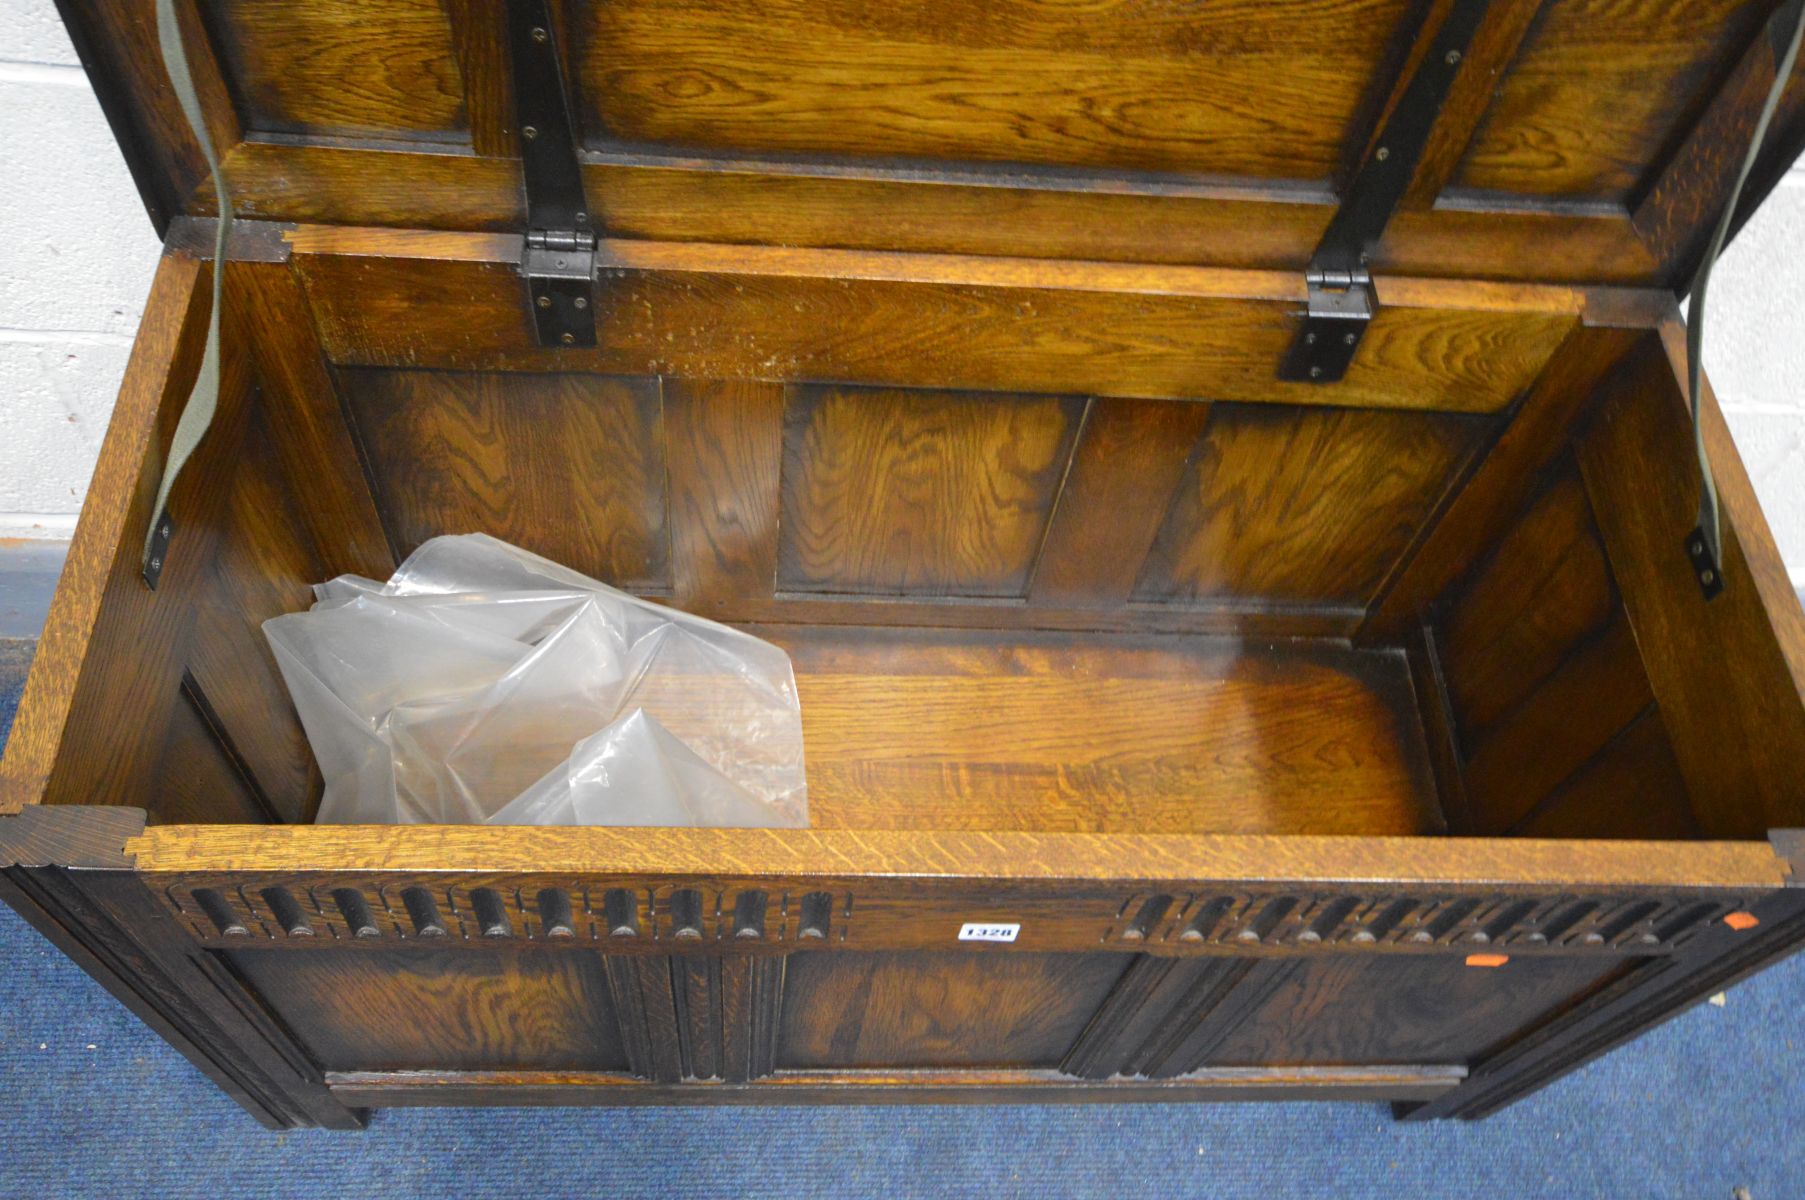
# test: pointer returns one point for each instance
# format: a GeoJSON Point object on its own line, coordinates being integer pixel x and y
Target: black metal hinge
{"type": "Point", "coordinates": [558, 255]}
{"type": "Point", "coordinates": [1341, 297]}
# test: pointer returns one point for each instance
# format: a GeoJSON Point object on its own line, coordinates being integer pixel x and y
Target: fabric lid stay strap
{"type": "Point", "coordinates": [203, 398]}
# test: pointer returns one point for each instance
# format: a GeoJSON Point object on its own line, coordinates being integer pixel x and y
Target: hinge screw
{"type": "Point", "coordinates": [581, 302]}
{"type": "Point", "coordinates": [545, 302]}
{"type": "Point", "coordinates": [1453, 57]}
{"type": "Point", "coordinates": [582, 218]}
{"type": "Point", "coordinates": [165, 530]}
{"type": "Point", "coordinates": [1382, 153]}
{"type": "Point", "coordinates": [567, 338]}
{"type": "Point", "coordinates": [1315, 372]}
{"type": "Point", "coordinates": [156, 564]}
{"type": "Point", "coordinates": [529, 133]}
{"type": "Point", "coordinates": [1698, 547]}
{"type": "Point", "coordinates": [1707, 577]}
{"type": "Point", "coordinates": [1347, 339]}
{"type": "Point", "coordinates": [539, 34]}
{"type": "Point", "coordinates": [1309, 339]}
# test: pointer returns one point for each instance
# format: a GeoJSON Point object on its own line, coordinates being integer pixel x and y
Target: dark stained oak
{"type": "Point", "coordinates": [1129, 462]}
{"type": "Point", "coordinates": [263, 567]}
{"type": "Point", "coordinates": [975, 210]}
{"type": "Point", "coordinates": [1599, 89]}
{"type": "Point", "coordinates": [196, 780]}
{"type": "Point", "coordinates": [1682, 203]}
{"type": "Point", "coordinates": [514, 457]}
{"type": "Point", "coordinates": [938, 345]}
{"type": "Point", "coordinates": [923, 494]}
{"type": "Point", "coordinates": [1554, 731]}
{"type": "Point", "coordinates": [479, 33]}
{"type": "Point", "coordinates": [1488, 56]}
{"type": "Point", "coordinates": [1483, 506]}
{"type": "Point", "coordinates": [1631, 787]}
{"type": "Point", "coordinates": [939, 1010]}
{"type": "Point", "coordinates": [325, 69]}
{"type": "Point", "coordinates": [542, 1011]}
{"type": "Point", "coordinates": [924, 730]}
{"type": "Point", "coordinates": [1546, 588]}
{"type": "Point", "coordinates": [723, 454]}
{"type": "Point", "coordinates": [102, 556]}
{"type": "Point", "coordinates": [1738, 731]}
{"type": "Point", "coordinates": [957, 1086]}
{"type": "Point", "coordinates": [306, 422]}
{"type": "Point", "coordinates": [1208, 90]}
{"type": "Point", "coordinates": [1291, 505]}
{"type": "Point", "coordinates": [1351, 1011]}
{"type": "Point", "coordinates": [391, 299]}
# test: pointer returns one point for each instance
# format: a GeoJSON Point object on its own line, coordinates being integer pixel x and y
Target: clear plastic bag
{"type": "Point", "coordinates": [483, 684]}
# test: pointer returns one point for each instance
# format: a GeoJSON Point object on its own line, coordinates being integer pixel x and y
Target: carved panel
{"type": "Point", "coordinates": [1644, 923]}
{"type": "Point", "coordinates": [360, 910]}
{"type": "Point", "coordinates": [627, 916]}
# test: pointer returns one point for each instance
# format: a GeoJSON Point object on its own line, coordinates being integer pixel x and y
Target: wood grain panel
{"type": "Point", "coordinates": [1219, 89]}
{"type": "Point", "coordinates": [326, 68]}
{"type": "Point", "coordinates": [783, 202]}
{"type": "Point", "coordinates": [195, 780]}
{"type": "Point", "coordinates": [1546, 589]}
{"type": "Point", "coordinates": [568, 466]}
{"type": "Point", "coordinates": [1728, 673]}
{"type": "Point", "coordinates": [924, 494]}
{"type": "Point", "coordinates": [479, 31]}
{"type": "Point", "coordinates": [1430, 683]}
{"type": "Point", "coordinates": [748, 312]}
{"type": "Point", "coordinates": [1600, 89]}
{"type": "Point", "coordinates": [263, 567]}
{"type": "Point", "coordinates": [1127, 466]}
{"type": "Point", "coordinates": [269, 314]}
{"type": "Point", "coordinates": [1593, 695]}
{"type": "Point", "coordinates": [1681, 204]}
{"type": "Point", "coordinates": [916, 729]}
{"type": "Point", "coordinates": [1631, 789]}
{"type": "Point", "coordinates": [169, 854]}
{"type": "Point", "coordinates": [1418, 1009]}
{"type": "Point", "coordinates": [1480, 512]}
{"type": "Point", "coordinates": [724, 443]}
{"type": "Point", "coordinates": [465, 1009]}
{"type": "Point", "coordinates": [939, 1009]}
{"type": "Point", "coordinates": [1302, 505]}
{"type": "Point", "coordinates": [75, 673]}
{"type": "Point", "coordinates": [121, 666]}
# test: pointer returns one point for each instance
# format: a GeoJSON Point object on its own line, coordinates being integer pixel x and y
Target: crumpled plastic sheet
{"type": "Point", "coordinates": [484, 684]}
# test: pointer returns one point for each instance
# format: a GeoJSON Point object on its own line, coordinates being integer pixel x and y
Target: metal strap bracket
{"type": "Point", "coordinates": [1341, 297]}
{"type": "Point", "coordinates": [558, 252]}
{"type": "Point", "coordinates": [1341, 303]}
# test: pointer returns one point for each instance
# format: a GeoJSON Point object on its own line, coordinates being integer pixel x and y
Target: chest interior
{"type": "Point", "coordinates": [947, 351]}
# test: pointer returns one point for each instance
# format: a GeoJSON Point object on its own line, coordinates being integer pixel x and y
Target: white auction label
{"type": "Point", "coordinates": [977, 931]}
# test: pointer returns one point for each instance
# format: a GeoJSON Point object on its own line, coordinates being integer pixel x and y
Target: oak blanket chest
{"type": "Point", "coordinates": [1223, 472]}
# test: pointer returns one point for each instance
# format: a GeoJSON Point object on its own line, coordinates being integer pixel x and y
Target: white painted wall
{"type": "Point", "coordinates": [76, 253]}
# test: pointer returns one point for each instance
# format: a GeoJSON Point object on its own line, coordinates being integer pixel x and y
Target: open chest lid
{"type": "Point", "coordinates": [1576, 141]}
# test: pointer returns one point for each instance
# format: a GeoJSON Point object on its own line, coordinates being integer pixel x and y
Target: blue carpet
{"type": "Point", "coordinates": [99, 1106]}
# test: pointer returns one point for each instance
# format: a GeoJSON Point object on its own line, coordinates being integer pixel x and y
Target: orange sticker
{"type": "Point", "coordinates": [1487, 960]}
{"type": "Point", "coordinates": [1740, 921]}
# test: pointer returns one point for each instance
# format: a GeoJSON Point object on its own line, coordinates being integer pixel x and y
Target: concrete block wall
{"type": "Point", "coordinates": [76, 252]}
{"type": "Point", "coordinates": [76, 255]}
